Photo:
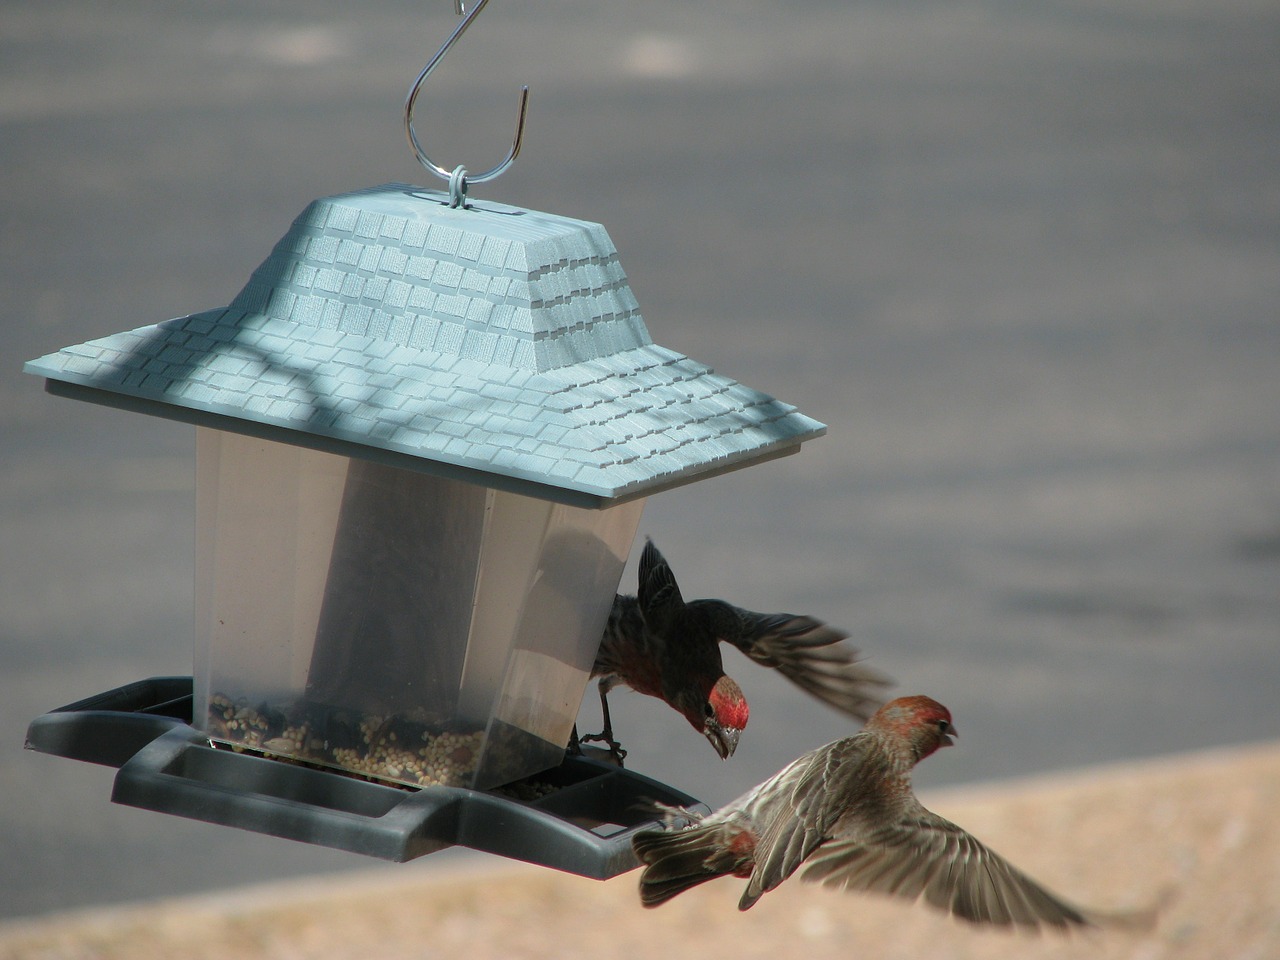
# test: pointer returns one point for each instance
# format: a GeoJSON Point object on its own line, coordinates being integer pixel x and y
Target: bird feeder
{"type": "Point", "coordinates": [425, 435]}
{"type": "Point", "coordinates": [425, 432]}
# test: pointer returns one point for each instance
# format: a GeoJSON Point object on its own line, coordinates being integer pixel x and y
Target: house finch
{"type": "Point", "coordinates": [848, 811]}
{"type": "Point", "coordinates": [659, 645]}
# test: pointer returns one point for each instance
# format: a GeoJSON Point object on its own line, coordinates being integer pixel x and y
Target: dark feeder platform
{"type": "Point", "coordinates": [424, 439]}
{"type": "Point", "coordinates": [583, 825]}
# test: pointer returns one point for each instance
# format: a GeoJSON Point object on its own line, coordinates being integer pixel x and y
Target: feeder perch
{"type": "Point", "coordinates": [425, 435]}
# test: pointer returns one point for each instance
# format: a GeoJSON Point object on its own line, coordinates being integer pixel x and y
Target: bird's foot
{"type": "Point", "coordinates": [605, 737]}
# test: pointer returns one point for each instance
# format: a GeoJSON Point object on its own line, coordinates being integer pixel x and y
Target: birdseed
{"type": "Point", "coordinates": [373, 747]}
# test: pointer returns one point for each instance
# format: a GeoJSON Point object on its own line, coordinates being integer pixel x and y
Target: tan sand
{"type": "Point", "coordinates": [1203, 829]}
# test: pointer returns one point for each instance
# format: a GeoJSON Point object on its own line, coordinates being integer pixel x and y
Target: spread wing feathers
{"type": "Point", "coordinates": [932, 857]}
{"type": "Point", "coordinates": [812, 656]}
{"type": "Point", "coordinates": [659, 596]}
{"type": "Point", "coordinates": [801, 817]}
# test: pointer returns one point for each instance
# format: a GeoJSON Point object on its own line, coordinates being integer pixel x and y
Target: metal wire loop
{"type": "Point", "coordinates": [442, 172]}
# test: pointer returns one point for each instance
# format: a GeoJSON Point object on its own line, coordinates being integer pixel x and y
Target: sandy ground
{"type": "Point", "coordinates": [1197, 832]}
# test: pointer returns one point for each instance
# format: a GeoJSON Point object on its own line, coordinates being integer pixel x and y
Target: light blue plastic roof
{"type": "Point", "coordinates": [496, 344]}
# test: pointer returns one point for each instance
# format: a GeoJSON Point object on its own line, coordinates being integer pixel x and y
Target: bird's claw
{"type": "Point", "coordinates": [606, 737]}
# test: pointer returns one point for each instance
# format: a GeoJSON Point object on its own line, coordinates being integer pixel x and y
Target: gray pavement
{"type": "Point", "coordinates": [1023, 258]}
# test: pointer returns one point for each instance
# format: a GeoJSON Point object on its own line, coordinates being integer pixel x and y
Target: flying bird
{"type": "Point", "coordinates": [847, 812]}
{"type": "Point", "coordinates": [659, 645]}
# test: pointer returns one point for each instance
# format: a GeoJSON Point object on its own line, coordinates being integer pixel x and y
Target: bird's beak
{"type": "Point", "coordinates": [724, 739]}
{"type": "Point", "coordinates": [946, 740]}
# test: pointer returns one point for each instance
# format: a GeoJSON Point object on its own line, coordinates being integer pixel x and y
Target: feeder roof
{"type": "Point", "coordinates": [493, 343]}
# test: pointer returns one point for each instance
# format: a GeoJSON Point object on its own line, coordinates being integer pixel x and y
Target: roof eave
{"type": "Point", "coordinates": [576, 495]}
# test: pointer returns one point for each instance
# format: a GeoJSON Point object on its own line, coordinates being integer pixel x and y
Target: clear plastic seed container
{"type": "Point", "coordinates": [393, 624]}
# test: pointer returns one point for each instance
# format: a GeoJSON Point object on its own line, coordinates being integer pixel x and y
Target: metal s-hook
{"type": "Point", "coordinates": [459, 178]}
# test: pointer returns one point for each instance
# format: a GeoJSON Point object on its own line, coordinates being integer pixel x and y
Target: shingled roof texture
{"type": "Point", "coordinates": [494, 338]}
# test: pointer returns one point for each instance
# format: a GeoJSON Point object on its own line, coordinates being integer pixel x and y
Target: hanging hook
{"type": "Point", "coordinates": [463, 178]}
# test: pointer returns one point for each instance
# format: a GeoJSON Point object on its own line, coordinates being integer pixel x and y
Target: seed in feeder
{"type": "Point", "coordinates": [443, 757]}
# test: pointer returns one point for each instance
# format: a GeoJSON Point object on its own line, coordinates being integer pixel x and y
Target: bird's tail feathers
{"type": "Point", "coordinates": [676, 861]}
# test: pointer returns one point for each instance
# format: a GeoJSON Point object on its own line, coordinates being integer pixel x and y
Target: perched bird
{"type": "Point", "coordinates": [847, 810]}
{"type": "Point", "coordinates": [659, 645]}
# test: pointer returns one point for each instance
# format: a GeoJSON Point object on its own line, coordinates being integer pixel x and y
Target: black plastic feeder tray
{"type": "Point", "coordinates": [583, 826]}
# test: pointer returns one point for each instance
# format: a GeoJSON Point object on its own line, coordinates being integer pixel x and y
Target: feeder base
{"type": "Point", "coordinates": [582, 823]}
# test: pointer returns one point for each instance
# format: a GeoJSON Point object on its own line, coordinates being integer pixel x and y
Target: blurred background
{"type": "Point", "coordinates": [1023, 258]}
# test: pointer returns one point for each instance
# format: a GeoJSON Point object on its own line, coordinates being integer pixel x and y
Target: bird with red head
{"type": "Point", "coordinates": [659, 645]}
{"type": "Point", "coordinates": [848, 814]}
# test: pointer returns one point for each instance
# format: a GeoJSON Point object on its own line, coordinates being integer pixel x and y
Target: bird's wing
{"type": "Point", "coordinates": [811, 655]}
{"type": "Point", "coordinates": [794, 814]}
{"type": "Point", "coordinates": [659, 596]}
{"type": "Point", "coordinates": [926, 855]}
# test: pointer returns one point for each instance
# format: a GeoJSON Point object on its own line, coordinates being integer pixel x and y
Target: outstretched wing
{"type": "Point", "coordinates": [929, 856]}
{"type": "Point", "coordinates": [795, 810]}
{"type": "Point", "coordinates": [812, 655]}
{"type": "Point", "coordinates": [659, 596]}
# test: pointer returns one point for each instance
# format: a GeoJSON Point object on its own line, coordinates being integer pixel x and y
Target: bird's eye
{"type": "Point", "coordinates": [943, 725]}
